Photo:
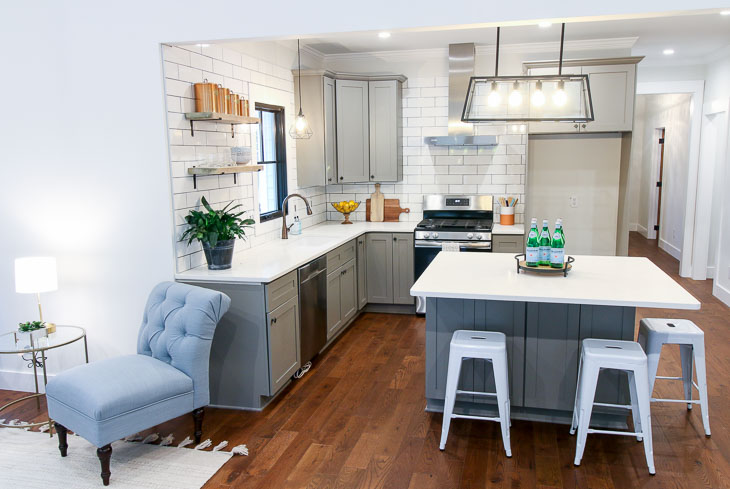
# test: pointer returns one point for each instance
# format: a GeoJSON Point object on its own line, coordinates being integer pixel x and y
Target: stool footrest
{"type": "Point", "coordinates": [612, 432]}
{"type": "Point", "coordinates": [481, 418]}
{"type": "Point", "coordinates": [669, 378]}
{"type": "Point", "coordinates": [618, 406]}
{"type": "Point", "coordinates": [475, 393]}
{"type": "Point", "coordinates": [683, 401]}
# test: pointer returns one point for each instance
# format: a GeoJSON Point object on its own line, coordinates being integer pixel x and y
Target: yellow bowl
{"type": "Point", "coordinates": [340, 208]}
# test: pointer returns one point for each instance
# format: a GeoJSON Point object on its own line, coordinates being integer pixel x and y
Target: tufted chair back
{"type": "Point", "coordinates": [177, 328]}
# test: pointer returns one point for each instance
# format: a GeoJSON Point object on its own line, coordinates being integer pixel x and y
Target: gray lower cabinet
{"type": "Point", "coordinates": [341, 297]}
{"type": "Point", "coordinates": [389, 268]}
{"type": "Point", "coordinates": [283, 341]}
{"type": "Point", "coordinates": [362, 293]}
{"type": "Point", "coordinates": [508, 243]}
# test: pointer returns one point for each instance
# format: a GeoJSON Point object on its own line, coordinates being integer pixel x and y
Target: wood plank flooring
{"type": "Point", "coordinates": [357, 420]}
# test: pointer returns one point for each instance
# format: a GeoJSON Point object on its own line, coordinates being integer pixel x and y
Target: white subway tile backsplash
{"type": "Point", "coordinates": [201, 62]}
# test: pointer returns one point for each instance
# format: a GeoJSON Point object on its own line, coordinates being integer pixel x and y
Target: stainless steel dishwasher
{"type": "Point", "coordinates": [313, 308]}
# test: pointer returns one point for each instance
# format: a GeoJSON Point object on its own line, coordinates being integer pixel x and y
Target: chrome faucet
{"type": "Point", "coordinates": [284, 227]}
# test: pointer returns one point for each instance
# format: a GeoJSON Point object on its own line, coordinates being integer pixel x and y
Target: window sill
{"type": "Point", "coordinates": [269, 216]}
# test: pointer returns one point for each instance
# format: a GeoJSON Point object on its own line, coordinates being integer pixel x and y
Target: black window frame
{"type": "Point", "coordinates": [281, 183]}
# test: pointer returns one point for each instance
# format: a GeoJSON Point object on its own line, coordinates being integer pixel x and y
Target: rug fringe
{"type": "Point", "coordinates": [187, 441]}
{"type": "Point", "coordinates": [239, 450]}
{"type": "Point", "coordinates": [44, 428]}
{"type": "Point", "coordinates": [220, 446]}
{"type": "Point", "coordinates": [204, 445]}
{"type": "Point", "coordinates": [166, 441]}
{"type": "Point", "coordinates": [134, 437]}
{"type": "Point", "coordinates": [151, 438]}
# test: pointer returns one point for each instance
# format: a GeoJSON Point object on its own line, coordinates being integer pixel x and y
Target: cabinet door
{"type": "Point", "coordinates": [508, 243]}
{"type": "Point", "coordinates": [362, 293]}
{"type": "Point", "coordinates": [348, 291]}
{"type": "Point", "coordinates": [330, 135]}
{"type": "Point", "coordinates": [379, 252]}
{"type": "Point", "coordinates": [384, 100]}
{"type": "Point", "coordinates": [334, 314]}
{"type": "Point", "coordinates": [310, 170]}
{"type": "Point", "coordinates": [283, 331]}
{"type": "Point", "coordinates": [402, 268]}
{"type": "Point", "coordinates": [612, 93]}
{"type": "Point", "coordinates": [353, 148]}
{"type": "Point", "coordinates": [553, 127]}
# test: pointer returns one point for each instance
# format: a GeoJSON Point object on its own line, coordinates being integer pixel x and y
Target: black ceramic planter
{"type": "Point", "coordinates": [221, 256]}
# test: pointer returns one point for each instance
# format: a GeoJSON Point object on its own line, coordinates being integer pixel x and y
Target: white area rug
{"type": "Point", "coordinates": [32, 460]}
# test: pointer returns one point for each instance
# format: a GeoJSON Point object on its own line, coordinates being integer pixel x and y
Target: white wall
{"type": "Point", "coordinates": [85, 151]}
{"type": "Point", "coordinates": [672, 112]}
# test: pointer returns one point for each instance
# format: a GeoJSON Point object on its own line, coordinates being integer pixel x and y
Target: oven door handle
{"type": "Point", "coordinates": [472, 245]}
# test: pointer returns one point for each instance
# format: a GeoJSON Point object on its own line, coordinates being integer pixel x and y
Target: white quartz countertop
{"type": "Point", "coordinates": [594, 280]}
{"type": "Point", "coordinates": [269, 261]}
{"type": "Point", "coordinates": [514, 229]}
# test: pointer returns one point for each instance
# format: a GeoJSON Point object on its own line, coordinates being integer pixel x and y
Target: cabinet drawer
{"type": "Point", "coordinates": [507, 243]}
{"type": "Point", "coordinates": [281, 290]}
{"type": "Point", "coordinates": [339, 256]}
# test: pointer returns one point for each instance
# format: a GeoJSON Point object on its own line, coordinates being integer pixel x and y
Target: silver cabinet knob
{"type": "Point", "coordinates": [435, 235]}
{"type": "Point", "coordinates": [469, 236]}
{"type": "Point", "coordinates": [479, 236]}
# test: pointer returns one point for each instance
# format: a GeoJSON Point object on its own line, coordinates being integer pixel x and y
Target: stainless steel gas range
{"type": "Point", "coordinates": [451, 221]}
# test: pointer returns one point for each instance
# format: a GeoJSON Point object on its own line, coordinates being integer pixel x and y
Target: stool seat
{"type": "Point", "coordinates": [656, 332]}
{"type": "Point", "coordinates": [598, 354]}
{"type": "Point", "coordinates": [486, 345]}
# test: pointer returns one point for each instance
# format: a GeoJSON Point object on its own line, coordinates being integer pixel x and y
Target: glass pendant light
{"type": "Point", "coordinates": [538, 97]}
{"type": "Point", "coordinates": [515, 97]}
{"type": "Point", "coordinates": [300, 129]}
{"type": "Point", "coordinates": [493, 99]}
{"type": "Point", "coordinates": [560, 97]}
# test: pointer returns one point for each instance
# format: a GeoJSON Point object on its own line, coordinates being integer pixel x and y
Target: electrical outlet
{"type": "Point", "coordinates": [573, 199]}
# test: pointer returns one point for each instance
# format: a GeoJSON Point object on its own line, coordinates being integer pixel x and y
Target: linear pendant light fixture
{"type": "Point", "coordinates": [300, 129]}
{"type": "Point", "coordinates": [555, 98]}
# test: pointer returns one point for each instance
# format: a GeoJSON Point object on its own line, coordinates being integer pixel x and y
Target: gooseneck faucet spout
{"type": "Point", "coordinates": [284, 228]}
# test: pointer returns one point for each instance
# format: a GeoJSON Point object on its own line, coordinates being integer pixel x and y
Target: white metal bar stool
{"type": "Point", "coordinates": [628, 356]}
{"type": "Point", "coordinates": [486, 345]}
{"type": "Point", "coordinates": [653, 333]}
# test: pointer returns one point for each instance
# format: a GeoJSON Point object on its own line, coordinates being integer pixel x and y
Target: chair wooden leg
{"type": "Point", "coordinates": [198, 418]}
{"type": "Point", "coordinates": [61, 431]}
{"type": "Point", "coordinates": [105, 454]}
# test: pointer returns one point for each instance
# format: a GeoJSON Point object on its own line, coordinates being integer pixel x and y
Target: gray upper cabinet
{"type": "Point", "coordinates": [362, 293]}
{"type": "Point", "coordinates": [386, 159]}
{"type": "Point", "coordinates": [353, 147]}
{"type": "Point", "coordinates": [402, 268]}
{"type": "Point", "coordinates": [330, 131]}
{"type": "Point", "coordinates": [312, 153]}
{"type": "Point", "coordinates": [283, 343]}
{"type": "Point", "coordinates": [379, 253]}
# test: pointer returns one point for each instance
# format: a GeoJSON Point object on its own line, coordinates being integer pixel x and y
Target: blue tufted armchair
{"type": "Point", "coordinates": [168, 377]}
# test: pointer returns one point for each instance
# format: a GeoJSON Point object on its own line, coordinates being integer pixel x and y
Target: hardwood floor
{"type": "Point", "coordinates": [357, 420]}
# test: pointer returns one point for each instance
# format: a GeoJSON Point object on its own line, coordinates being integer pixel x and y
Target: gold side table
{"type": "Point", "coordinates": [36, 344]}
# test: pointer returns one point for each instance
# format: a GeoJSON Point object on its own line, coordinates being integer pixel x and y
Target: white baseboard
{"type": "Point", "coordinates": [642, 231]}
{"type": "Point", "coordinates": [710, 271]}
{"type": "Point", "coordinates": [721, 293]}
{"type": "Point", "coordinates": [633, 226]}
{"type": "Point", "coordinates": [671, 249]}
{"type": "Point", "coordinates": [21, 381]}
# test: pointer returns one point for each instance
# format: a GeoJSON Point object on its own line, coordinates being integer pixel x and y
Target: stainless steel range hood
{"type": "Point", "coordinates": [461, 69]}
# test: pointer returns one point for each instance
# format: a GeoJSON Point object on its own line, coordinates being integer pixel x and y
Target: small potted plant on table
{"type": "Point", "coordinates": [217, 231]}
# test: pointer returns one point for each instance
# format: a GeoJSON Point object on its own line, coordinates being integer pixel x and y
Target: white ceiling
{"type": "Point", "coordinates": [693, 36]}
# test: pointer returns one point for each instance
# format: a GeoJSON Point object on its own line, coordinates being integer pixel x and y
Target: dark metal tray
{"type": "Point", "coordinates": [544, 269]}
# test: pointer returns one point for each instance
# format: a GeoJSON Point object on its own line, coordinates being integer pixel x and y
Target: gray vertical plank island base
{"type": "Point", "coordinates": [544, 318]}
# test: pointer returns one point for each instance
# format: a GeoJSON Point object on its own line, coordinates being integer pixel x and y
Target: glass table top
{"type": "Point", "coordinates": [39, 340]}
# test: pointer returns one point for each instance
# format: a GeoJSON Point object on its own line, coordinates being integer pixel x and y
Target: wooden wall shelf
{"type": "Point", "coordinates": [219, 117]}
{"type": "Point", "coordinates": [223, 170]}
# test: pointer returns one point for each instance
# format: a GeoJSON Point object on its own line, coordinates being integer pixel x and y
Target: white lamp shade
{"type": "Point", "coordinates": [35, 274]}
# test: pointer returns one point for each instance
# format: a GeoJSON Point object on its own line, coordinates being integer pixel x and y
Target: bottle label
{"type": "Point", "coordinates": [532, 255]}
{"type": "Point", "coordinates": [533, 234]}
{"type": "Point", "coordinates": [544, 253]}
{"type": "Point", "coordinates": [557, 235]}
{"type": "Point", "coordinates": [557, 256]}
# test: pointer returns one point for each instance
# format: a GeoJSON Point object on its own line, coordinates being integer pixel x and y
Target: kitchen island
{"type": "Point", "coordinates": [544, 318]}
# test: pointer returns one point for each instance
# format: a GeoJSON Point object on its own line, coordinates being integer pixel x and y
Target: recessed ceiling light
{"type": "Point", "coordinates": [384, 35]}
{"type": "Point", "coordinates": [725, 12]}
{"type": "Point", "coordinates": [202, 45]}
{"type": "Point", "coordinates": [544, 25]}
{"type": "Point", "coordinates": [668, 51]}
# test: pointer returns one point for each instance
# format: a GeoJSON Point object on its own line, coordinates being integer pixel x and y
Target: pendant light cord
{"type": "Point", "coordinates": [562, 41]}
{"type": "Point", "coordinates": [496, 58]}
{"type": "Point", "coordinates": [299, 62]}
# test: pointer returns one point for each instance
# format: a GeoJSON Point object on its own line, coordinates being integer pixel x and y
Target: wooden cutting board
{"type": "Point", "coordinates": [377, 205]}
{"type": "Point", "coordinates": [391, 211]}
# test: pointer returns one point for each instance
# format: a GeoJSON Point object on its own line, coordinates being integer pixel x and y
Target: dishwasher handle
{"type": "Point", "coordinates": [313, 276]}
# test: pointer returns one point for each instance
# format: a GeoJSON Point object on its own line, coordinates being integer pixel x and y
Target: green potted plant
{"type": "Point", "coordinates": [217, 232]}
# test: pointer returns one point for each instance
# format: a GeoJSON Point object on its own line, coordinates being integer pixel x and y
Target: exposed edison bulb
{"type": "Point", "coordinates": [515, 97]}
{"type": "Point", "coordinates": [560, 97]}
{"type": "Point", "coordinates": [300, 123]}
{"type": "Point", "coordinates": [493, 99]}
{"type": "Point", "coordinates": [538, 97]}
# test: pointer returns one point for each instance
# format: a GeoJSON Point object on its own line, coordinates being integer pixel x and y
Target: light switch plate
{"type": "Point", "coordinates": [573, 199]}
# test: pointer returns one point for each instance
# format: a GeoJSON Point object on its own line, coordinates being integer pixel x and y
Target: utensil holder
{"type": "Point", "coordinates": [507, 216]}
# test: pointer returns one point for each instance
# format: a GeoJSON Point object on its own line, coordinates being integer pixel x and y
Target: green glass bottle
{"type": "Point", "coordinates": [532, 248]}
{"type": "Point", "coordinates": [544, 244]}
{"type": "Point", "coordinates": [559, 226]}
{"type": "Point", "coordinates": [557, 249]}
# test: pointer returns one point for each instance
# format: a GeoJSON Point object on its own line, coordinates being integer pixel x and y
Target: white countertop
{"type": "Point", "coordinates": [514, 229]}
{"type": "Point", "coordinates": [595, 280]}
{"type": "Point", "coordinates": [269, 261]}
